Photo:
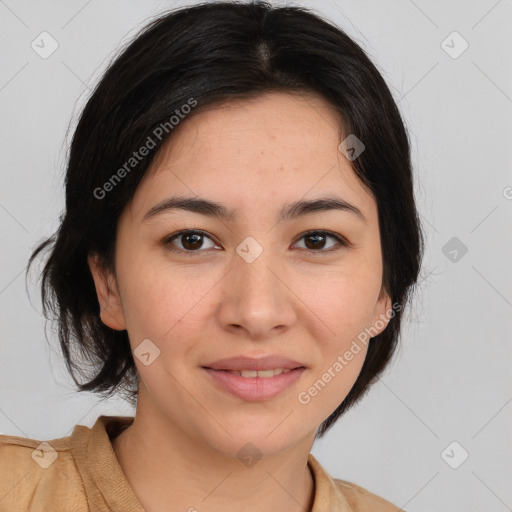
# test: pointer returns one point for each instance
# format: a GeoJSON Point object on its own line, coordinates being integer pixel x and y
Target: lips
{"type": "Point", "coordinates": [243, 363]}
{"type": "Point", "coordinates": [254, 388]}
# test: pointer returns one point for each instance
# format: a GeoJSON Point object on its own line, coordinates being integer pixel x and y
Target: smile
{"type": "Point", "coordinates": [260, 373]}
{"type": "Point", "coordinates": [253, 385]}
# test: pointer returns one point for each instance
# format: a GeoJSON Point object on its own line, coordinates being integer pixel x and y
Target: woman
{"type": "Point", "coordinates": [239, 242]}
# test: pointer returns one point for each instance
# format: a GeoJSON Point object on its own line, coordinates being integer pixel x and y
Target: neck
{"type": "Point", "coordinates": [170, 470]}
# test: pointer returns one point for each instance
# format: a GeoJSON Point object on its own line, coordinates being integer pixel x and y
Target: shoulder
{"type": "Point", "coordinates": [31, 471]}
{"type": "Point", "coordinates": [362, 500]}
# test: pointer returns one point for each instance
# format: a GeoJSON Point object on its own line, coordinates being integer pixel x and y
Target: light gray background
{"type": "Point", "coordinates": [450, 380]}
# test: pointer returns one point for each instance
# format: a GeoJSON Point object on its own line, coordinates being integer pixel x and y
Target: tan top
{"type": "Point", "coordinates": [80, 473]}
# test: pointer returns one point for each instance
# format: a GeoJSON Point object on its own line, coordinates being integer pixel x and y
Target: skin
{"type": "Point", "coordinates": [255, 157]}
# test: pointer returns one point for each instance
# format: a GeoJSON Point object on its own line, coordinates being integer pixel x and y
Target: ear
{"type": "Point", "coordinates": [111, 309]}
{"type": "Point", "coordinates": [382, 313]}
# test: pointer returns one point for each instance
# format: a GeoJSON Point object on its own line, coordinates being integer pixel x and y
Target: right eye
{"type": "Point", "coordinates": [191, 241]}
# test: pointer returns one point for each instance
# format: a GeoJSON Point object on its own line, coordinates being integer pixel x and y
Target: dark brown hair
{"type": "Point", "coordinates": [213, 52]}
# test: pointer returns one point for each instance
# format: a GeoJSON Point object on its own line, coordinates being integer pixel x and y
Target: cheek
{"type": "Point", "coordinates": [161, 302]}
{"type": "Point", "coordinates": [341, 350]}
{"type": "Point", "coordinates": [161, 306]}
{"type": "Point", "coordinates": [344, 301]}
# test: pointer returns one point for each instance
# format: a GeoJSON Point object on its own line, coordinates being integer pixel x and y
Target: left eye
{"type": "Point", "coordinates": [192, 241]}
{"type": "Point", "coordinates": [318, 238]}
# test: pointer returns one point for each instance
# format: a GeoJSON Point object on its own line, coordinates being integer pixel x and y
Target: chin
{"type": "Point", "coordinates": [251, 437]}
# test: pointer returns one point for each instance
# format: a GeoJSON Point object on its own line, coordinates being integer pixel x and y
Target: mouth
{"type": "Point", "coordinates": [255, 385]}
{"type": "Point", "coordinates": [262, 374]}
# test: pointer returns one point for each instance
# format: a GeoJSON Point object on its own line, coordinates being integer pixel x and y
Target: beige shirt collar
{"type": "Point", "coordinates": [106, 483]}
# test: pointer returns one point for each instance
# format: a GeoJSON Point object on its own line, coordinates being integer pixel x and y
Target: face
{"type": "Point", "coordinates": [252, 283]}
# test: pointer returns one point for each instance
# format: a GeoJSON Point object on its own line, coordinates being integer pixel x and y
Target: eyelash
{"type": "Point", "coordinates": [341, 241]}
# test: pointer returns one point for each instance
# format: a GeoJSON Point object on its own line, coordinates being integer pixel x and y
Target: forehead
{"type": "Point", "coordinates": [272, 147]}
{"type": "Point", "coordinates": [248, 126]}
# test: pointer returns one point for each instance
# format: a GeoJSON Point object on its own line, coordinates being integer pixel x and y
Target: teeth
{"type": "Point", "coordinates": [264, 374]}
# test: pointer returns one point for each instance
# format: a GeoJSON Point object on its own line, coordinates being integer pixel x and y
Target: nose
{"type": "Point", "coordinates": [257, 299]}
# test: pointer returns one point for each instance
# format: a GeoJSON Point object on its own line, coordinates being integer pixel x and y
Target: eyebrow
{"type": "Point", "coordinates": [217, 210]}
